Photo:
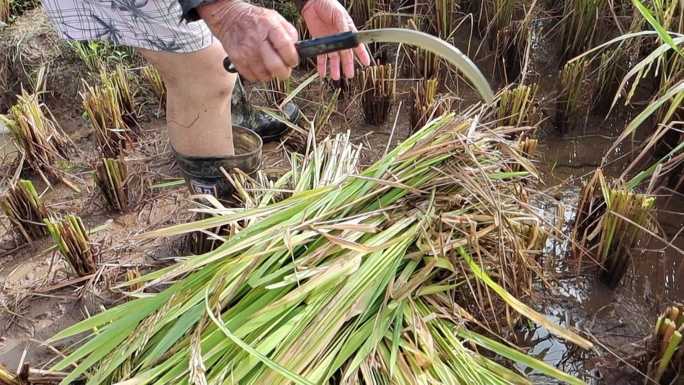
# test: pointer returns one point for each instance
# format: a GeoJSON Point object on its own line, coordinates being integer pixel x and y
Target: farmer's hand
{"type": "Point", "coordinates": [327, 17]}
{"type": "Point", "coordinates": [259, 41]}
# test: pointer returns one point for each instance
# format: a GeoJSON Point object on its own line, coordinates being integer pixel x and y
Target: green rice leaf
{"type": "Point", "coordinates": [521, 307]}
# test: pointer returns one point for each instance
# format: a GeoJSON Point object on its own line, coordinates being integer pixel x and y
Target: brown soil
{"type": "Point", "coordinates": [39, 296]}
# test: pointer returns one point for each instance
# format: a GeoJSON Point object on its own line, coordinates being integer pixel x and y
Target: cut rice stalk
{"type": "Point", "coordinates": [155, 82]}
{"type": "Point", "coordinates": [102, 106]}
{"type": "Point", "coordinates": [575, 93]}
{"type": "Point", "coordinates": [5, 10]}
{"type": "Point", "coordinates": [378, 84]}
{"type": "Point", "coordinates": [73, 243]}
{"type": "Point", "coordinates": [445, 14]}
{"type": "Point", "coordinates": [111, 176]}
{"type": "Point", "coordinates": [610, 222]}
{"type": "Point", "coordinates": [666, 347]}
{"type": "Point", "coordinates": [119, 80]}
{"type": "Point", "coordinates": [427, 104]}
{"type": "Point", "coordinates": [8, 378]}
{"type": "Point", "coordinates": [25, 210]}
{"type": "Point", "coordinates": [426, 65]}
{"type": "Point", "coordinates": [37, 135]}
{"type": "Point", "coordinates": [517, 106]}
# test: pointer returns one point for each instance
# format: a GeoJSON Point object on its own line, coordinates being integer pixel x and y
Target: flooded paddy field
{"type": "Point", "coordinates": [40, 295]}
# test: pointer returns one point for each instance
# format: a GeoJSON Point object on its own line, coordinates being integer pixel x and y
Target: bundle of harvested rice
{"type": "Point", "coordinates": [350, 278]}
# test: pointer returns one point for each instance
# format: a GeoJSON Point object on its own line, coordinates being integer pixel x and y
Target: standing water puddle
{"type": "Point", "coordinates": [614, 319]}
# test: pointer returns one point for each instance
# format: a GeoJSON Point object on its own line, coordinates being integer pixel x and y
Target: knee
{"type": "Point", "coordinates": [214, 86]}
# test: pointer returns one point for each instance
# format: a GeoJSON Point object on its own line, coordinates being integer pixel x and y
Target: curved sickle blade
{"type": "Point", "coordinates": [435, 45]}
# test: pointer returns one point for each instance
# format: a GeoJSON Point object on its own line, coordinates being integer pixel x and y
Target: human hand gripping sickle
{"type": "Point", "coordinates": [261, 43]}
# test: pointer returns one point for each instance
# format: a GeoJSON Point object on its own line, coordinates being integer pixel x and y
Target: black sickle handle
{"type": "Point", "coordinates": [315, 47]}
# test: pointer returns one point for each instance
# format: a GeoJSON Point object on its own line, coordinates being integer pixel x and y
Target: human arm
{"type": "Point", "coordinates": [261, 43]}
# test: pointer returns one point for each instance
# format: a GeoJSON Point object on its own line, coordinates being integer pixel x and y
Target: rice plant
{"type": "Point", "coordinates": [426, 65]}
{"type": "Point", "coordinates": [611, 70]}
{"type": "Point", "coordinates": [100, 54]}
{"type": "Point", "coordinates": [5, 10]}
{"type": "Point", "coordinates": [427, 104]}
{"type": "Point", "coordinates": [103, 109]}
{"type": "Point", "coordinates": [279, 90]}
{"type": "Point", "coordinates": [71, 238]}
{"type": "Point", "coordinates": [610, 222]}
{"type": "Point", "coordinates": [527, 147]}
{"type": "Point", "coordinates": [445, 14]}
{"type": "Point", "coordinates": [574, 95]}
{"type": "Point", "coordinates": [517, 106]}
{"type": "Point", "coordinates": [349, 279]}
{"type": "Point", "coordinates": [25, 210]}
{"type": "Point", "coordinates": [37, 135]}
{"type": "Point", "coordinates": [119, 80]}
{"type": "Point", "coordinates": [667, 62]}
{"type": "Point", "coordinates": [378, 85]}
{"type": "Point", "coordinates": [111, 176]}
{"type": "Point", "coordinates": [155, 82]}
{"type": "Point", "coordinates": [579, 29]}
{"type": "Point", "coordinates": [362, 10]}
{"type": "Point", "coordinates": [666, 347]}
{"type": "Point", "coordinates": [382, 53]}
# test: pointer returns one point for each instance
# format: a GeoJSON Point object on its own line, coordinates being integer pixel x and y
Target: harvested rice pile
{"type": "Point", "coordinates": [340, 277]}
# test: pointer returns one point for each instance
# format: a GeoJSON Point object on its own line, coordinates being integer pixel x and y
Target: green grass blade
{"type": "Point", "coordinates": [523, 309]}
{"type": "Point", "coordinates": [519, 357]}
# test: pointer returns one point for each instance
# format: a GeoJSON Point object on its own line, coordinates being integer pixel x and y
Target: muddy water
{"type": "Point", "coordinates": [615, 319]}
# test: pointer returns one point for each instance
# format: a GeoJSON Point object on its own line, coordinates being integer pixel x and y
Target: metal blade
{"type": "Point", "coordinates": [438, 47]}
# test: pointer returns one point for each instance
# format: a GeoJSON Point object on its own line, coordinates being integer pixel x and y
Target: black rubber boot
{"type": "Point", "coordinates": [204, 175]}
{"type": "Point", "coordinates": [265, 126]}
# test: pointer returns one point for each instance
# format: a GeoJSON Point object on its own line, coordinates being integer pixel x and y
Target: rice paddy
{"type": "Point", "coordinates": [402, 232]}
